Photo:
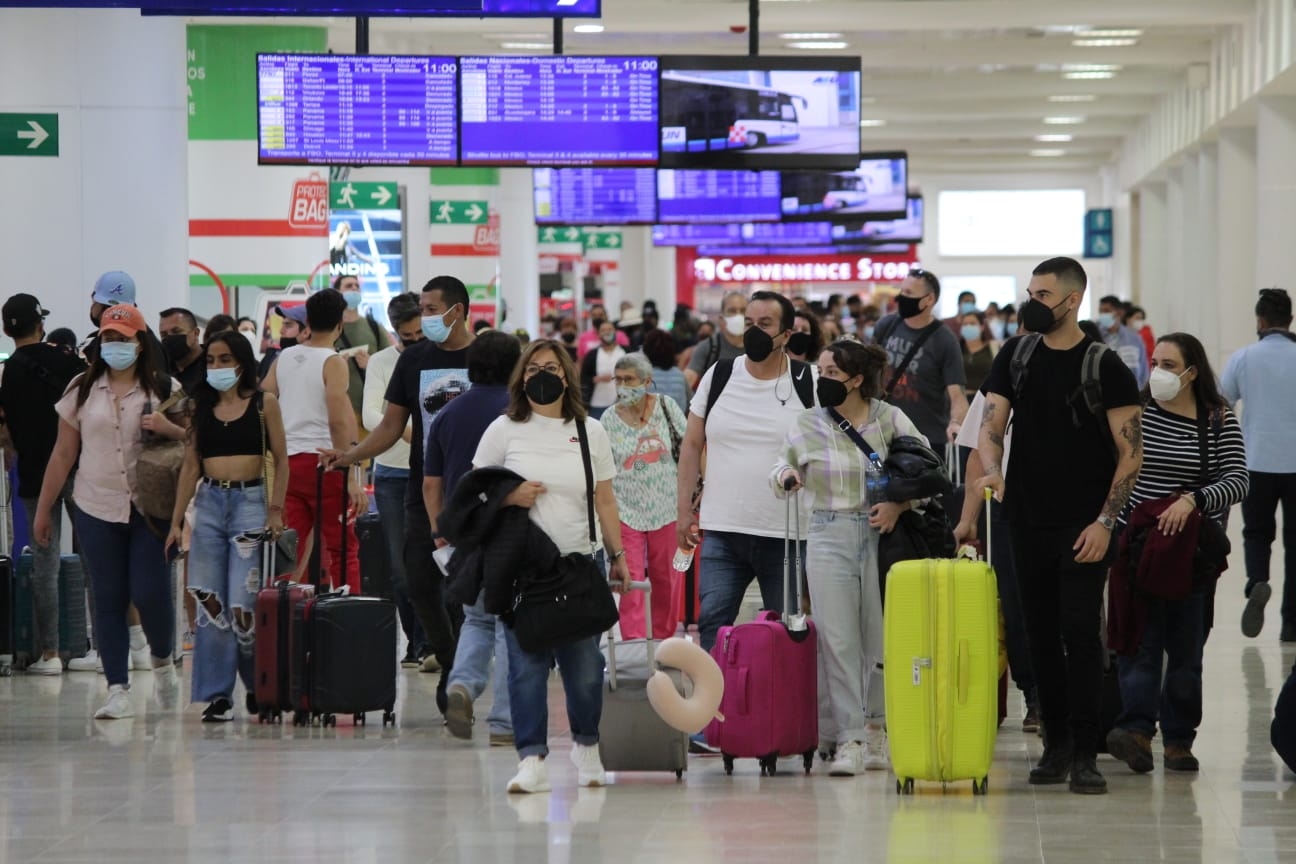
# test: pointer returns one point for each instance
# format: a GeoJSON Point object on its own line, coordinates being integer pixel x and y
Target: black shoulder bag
{"type": "Point", "coordinates": [573, 602]}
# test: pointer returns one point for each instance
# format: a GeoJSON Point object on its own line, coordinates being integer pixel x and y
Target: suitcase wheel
{"type": "Point", "coordinates": [358, 719]}
{"type": "Point", "coordinates": [301, 718]}
{"type": "Point", "coordinates": [982, 788]}
{"type": "Point", "coordinates": [808, 759]}
{"type": "Point", "coordinates": [769, 766]}
{"type": "Point", "coordinates": [728, 763]}
{"type": "Point", "coordinates": [905, 788]}
{"type": "Point", "coordinates": [328, 720]}
{"type": "Point", "coordinates": [389, 716]}
{"type": "Point", "coordinates": [679, 774]}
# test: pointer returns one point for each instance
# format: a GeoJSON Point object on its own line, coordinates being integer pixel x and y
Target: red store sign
{"type": "Point", "coordinates": [692, 270]}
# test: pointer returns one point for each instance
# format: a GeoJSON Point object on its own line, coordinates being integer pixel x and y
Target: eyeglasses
{"type": "Point", "coordinates": [627, 380]}
{"type": "Point", "coordinates": [532, 369]}
{"type": "Point", "coordinates": [930, 278]}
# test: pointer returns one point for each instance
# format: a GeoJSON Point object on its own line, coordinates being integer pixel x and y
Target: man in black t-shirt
{"type": "Point", "coordinates": [1065, 489]}
{"type": "Point", "coordinates": [31, 382]}
{"type": "Point", "coordinates": [184, 351]}
{"type": "Point", "coordinates": [427, 376]}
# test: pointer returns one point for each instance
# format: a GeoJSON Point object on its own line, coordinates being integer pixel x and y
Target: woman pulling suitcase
{"type": "Point", "coordinates": [842, 544]}
{"type": "Point", "coordinates": [224, 472]}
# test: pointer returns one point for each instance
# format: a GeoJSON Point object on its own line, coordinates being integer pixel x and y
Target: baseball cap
{"type": "Point", "coordinates": [123, 318]}
{"type": "Point", "coordinates": [22, 311]}
{"type": "Point", "coordinates": [114, 287]}
{"type": "Point", "coordinates": [296, 313]}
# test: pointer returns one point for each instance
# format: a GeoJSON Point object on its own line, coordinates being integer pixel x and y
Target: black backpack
{"type": "Point", "coordinates": [1089, 391]}
{"type": "Point", "coordinates": [802, 382]}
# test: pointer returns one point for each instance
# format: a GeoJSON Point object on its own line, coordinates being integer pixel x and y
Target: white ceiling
{"type": "Point", "coordinates": [963, 85]}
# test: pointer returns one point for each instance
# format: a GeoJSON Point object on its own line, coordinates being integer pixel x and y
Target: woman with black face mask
{"type": "Point", "coordinates": [807, 338]}
{"type": "Point", "coordinates": [842, 543]}
{"type": "Point", "coordinates": [539, 439]}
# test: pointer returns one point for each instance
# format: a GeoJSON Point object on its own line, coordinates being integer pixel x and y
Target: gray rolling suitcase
{"type": "Point", "coordinates": [631, 735]}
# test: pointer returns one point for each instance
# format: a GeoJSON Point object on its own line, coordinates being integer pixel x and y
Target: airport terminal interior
{"type": "Point", "coordinates": [559, 156]}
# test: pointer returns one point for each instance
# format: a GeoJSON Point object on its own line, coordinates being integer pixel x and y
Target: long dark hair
{"type": "Point", "coordinates": [149, 369]}
{"type": "Point", "coordinates": [206, 396]}
{"type": "Point", "coordinates": [573, 405]}
{"type": "Point", "coordinates": [1206, 387]}
{"type": "Point", "coordinates": [816, 333]}
{"type": "Point", "coordinates": [855, 358]}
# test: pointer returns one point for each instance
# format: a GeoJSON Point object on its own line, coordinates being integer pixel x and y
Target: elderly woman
{"type": "Point", "coordinates": [643, 428]}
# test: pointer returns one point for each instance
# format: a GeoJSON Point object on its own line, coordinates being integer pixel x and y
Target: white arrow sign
{"type": "Point", "coordinates": [36, 136]}
{"type": "Point", "coordinates": [474, 213]}
{"type": "Point", "coordinates": [382, 196]}
{"type": "Point", "coordinates": [573, 233]}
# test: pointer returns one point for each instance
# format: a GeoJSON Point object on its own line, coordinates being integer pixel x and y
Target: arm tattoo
{"type": "Point", "coordinates": [1132, 432]}
{"type": "Point", "coordinates": [987, 418]}
{"type": "Point", "coordinates": [1119, 495]}
{"type": "Point", "coordinates": [996, 439]}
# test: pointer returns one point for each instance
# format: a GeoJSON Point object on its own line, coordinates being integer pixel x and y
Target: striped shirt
{"type": "Point", "coordinates": [1172, 461]}
{"type": "Point", "coordinates": [832, 468]}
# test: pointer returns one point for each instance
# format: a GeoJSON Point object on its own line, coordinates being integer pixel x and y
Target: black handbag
{"type": "Point", "coordinates": [574, 601]}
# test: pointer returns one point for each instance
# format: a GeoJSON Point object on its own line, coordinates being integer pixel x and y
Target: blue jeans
{"type": "Point", "coordinates": [229, 573]}
{"type": "Point", "coordinates": [581, 666]}
{"type": "Point", "coordinates": [45, 577]}
{"type": "Point", "coordinates": [729, 564]}
{"type": "Point", "coordinates": [127, 565]}
{"type": "Point", "coordinates": [1174, 630]}
{"type": "Point", "coordinates": [389, 494]}
{"type": "Point", "coordinates": [482, 636]}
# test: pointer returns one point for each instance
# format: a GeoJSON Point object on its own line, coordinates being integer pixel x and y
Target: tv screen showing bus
{"type": "Point", "coordinates": [595, 196]}
{"type": "Point", "coordinates": [760, 112]}
{"type": "Point", "coordinates": [717, 196]}
{"type": "Point", "coordinates": [907, 230]}
{"type": "Point", "coordinates": [877, 188]}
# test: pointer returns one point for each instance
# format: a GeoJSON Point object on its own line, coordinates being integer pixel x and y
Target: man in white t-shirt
{"type": "Point", "coordinates": [743, 430]}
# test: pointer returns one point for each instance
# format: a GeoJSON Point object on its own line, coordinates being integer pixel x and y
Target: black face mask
{"type": "Point", "coordinates": [757, 344]}
{"type": "Point", "coordinates": [596, 323]}
{"type": "Point", "coordinates": [909, 306]}
{"type": "Point", "coordinates": [407, 343]}
{"type": "Point", "coordinates": [831, 392]}
{"type": "Point", "coordinates": [544, 388]}
{"type": "Point", "coordinates": [569, 338]}
{"type": "Point", "coordinates": [176, 347]}
{"type": "Point", "coordinates": [287, 342]}
{"type": "Point", "coordinates": [1038, 317]}
{"type": "Point", "coordinates": [799, 343]}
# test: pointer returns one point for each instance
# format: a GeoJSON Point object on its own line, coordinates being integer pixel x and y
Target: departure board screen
{"type": "Point", "coordinates": [718, 196]}
{"type": "Point", "coordinates": [594, 111]}
{"type": "Point", "coordinates": [595, 196]}
{"type": "Point", "coordinates": [329, 109]}
{"type": "Point", "coordinates": [395, 8]}
{"type": "Point", "coordinates": [747, 234]}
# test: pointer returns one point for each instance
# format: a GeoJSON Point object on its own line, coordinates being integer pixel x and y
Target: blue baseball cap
{"type": "Point", "coordinates": [296, 313]}
{"type": "Point", "coordinates": [113, 288]}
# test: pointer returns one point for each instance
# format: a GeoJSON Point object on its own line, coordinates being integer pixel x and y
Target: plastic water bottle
{"type": "Point", "coordinates": [876, 482]}
{"type": "Point", "coordinates": [684, 557]}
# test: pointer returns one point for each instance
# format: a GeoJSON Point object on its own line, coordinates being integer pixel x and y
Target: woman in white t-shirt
{"type": "Point", "coordinates": [537, 438]}
{"type": "Point", "coordinates": [598, 369]}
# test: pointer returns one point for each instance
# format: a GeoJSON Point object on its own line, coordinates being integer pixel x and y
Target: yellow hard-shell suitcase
{"type": "Point", "coordinates": [941, 665]}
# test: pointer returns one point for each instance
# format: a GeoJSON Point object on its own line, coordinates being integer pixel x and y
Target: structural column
{"type": "Point", "coordinates": [1275, 193]}
{"type": "Point", "coordinates": [1153, 272]}
{"type": "Point", "coordinates": [1204, 253]}
{"type": "Point", "coordinates": [115, 196]}
{"type": "Point", "coordinates": [1235, 238]}
{"type": "Point", "coordinates": [519, 250]}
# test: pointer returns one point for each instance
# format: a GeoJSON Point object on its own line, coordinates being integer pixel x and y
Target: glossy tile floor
{"type": "Point", "coordinates": [164, 787]}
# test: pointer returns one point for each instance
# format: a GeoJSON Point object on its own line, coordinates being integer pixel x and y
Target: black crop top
{"type": "Point", "coordinates": [241, 437]}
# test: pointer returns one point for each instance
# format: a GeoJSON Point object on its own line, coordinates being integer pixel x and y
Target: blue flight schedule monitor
{"type": "Point", "coordinates": [593, 111]}
{"type": "Point", "coordinates": [718, 196]}
{"type": "Point", "coordinates": [396, 8]}
{"type": "Point", "coordinates": [595, 196]}
{"type": "Point", "coordinates": [328, 109]}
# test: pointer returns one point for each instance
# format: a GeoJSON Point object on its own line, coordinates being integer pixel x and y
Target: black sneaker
{"type": "Point", "coordinates": [1031, 722]}
{"type": "Point", "coordinates": [1053, 768]}
{"type": "Point", "coordinates": [1085, 779]}
{"type": "Point", "coordinates": [249, 702]}
{"type": "Point", "coordinates": [219, 711]}
{"type": "Point", "coordinates": [1288, 632]}
{"type": "Point", "coordinates": [1253, 613]}
{"type": "Point", "coordinates": [442, 701]}
{"type": "Point", "coordinates": [412, 657]}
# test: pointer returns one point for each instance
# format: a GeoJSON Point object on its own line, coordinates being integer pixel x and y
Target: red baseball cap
{"type": "Point", "coordinates": [123, 318]}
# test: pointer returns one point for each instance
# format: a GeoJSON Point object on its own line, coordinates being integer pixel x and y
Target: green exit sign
{"type": "Point", "coordinates": [25, 134]}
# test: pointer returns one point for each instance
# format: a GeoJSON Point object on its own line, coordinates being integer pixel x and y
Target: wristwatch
{"type": "Point", "coordinates": [1107, 522]}
{"type": "Point", "coordinates": [614, 556]}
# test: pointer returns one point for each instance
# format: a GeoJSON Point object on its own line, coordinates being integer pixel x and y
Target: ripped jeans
{"type": "Point", "coordinates": [224, 576]}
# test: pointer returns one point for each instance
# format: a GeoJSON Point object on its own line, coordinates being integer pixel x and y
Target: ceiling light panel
{"type": "Point", "coordinates": [1088, 76]}
{"type": "Point", "coordinates": [1104, 43]}
{"type": "Point", "coordinates": [1105, 33]}
{"type": "Point", "coordinates": [588, 28]}
{"type": "Point", "coordinates": [1072, 97]}
{"type": "Point", "coordinates": [817, 46]}
{"type": "Point", "coordinates": [1053, 139]}
{"type": "Point", "coordinates": [811, 35]}
{"type": "Point", "coordinates": [1047, 153]}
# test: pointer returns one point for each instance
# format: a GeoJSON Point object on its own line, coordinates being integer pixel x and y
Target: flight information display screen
{"type": "Point", "coordinates": [718, 196]}
{"type": "Point", "coordinates": [582, 111]}
{"type": "Point", "coordinates": [330, 109]}
{"type": "Point", "coordinates": [595, 196]}
{"type": "Point", "coordinates": [747, 234]}
{"type": "Point", "coordinates": [392, 8]}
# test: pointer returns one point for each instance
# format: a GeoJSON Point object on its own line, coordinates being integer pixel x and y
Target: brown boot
{"type": "Point", "coordinates": [1130, 747]}
{"type": "Point", "coordinates": [1179, 757]}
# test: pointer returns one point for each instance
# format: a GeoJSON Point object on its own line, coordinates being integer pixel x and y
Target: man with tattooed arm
{"type": "Point", "coordinates": [1070, 478]}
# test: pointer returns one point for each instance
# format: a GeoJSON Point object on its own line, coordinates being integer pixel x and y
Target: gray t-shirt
{"type": "Point", "coordinates": [921, 391]}
{"type": "Point", "coordinates": [705, 356]}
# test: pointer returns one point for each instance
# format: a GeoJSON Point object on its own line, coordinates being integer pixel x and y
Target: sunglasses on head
{"type": "Point", "coordinates": [930, 278]}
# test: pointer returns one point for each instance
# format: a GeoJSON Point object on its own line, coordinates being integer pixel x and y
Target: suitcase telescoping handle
{"type": "Point", "coordinates": [646, 587]}
{"type": "Point", "coordinates": [793, 618]}
{"type": "Point", "coordinates": [989, 502]}
{"type": "Point", "coordinates": [316, 568]}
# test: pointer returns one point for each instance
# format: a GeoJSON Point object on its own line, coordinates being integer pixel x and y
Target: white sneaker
{"type": "Point", "coordinates": [141, 659]}
{"type": "Point", "coordinates": [849, 761]}
{"type": "Point", "coordinates": [875, 749]}
{"type": "Point", "coordinates": [166, 686]}
{"type": "Point", "coordinates": [52, 666]}
{"type": "Point", "coordinates": [589, 765]}
{"type": "Point", "coordinates": [118, 706]}
{"type": "Point", "coordinates": [531, 776]}
{"type": "Point", "coordinates": [91, 662]}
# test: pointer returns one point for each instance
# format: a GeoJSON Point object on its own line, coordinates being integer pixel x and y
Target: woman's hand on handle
{"type": "Point", "coordinates": [790, 480]}
{"type": "Point", "coordinates": [174, 540]}
{"type": "Point", "coordinates": [619, 575]}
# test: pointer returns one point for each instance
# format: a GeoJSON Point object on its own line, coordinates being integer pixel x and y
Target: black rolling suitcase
{"type": "Point", "coordinates": [343, 648]}
{"type": "Point", "coordinates": [375, 562]}
{"type": "Point", "coordinates": [8, 607]}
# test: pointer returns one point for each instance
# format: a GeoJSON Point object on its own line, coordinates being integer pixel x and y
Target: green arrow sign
{"type": "Point", "coordinates": [29, 135]}
{"type": "Point", "coordinates": [363, 196]}
{"type": "Point", "coordinates": [601, 239]}
{"type": "Point", "coordinates": [460, 212]}
{"type": "Point", "coordinates": [552, 234]}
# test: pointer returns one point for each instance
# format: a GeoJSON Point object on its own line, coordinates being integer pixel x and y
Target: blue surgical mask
{"type": "Point", "coordinates": [119, 355]}
{"type": "Point", "coordinates": [1010, 328]}
{"type": "Point", "coordinates": [868, 331]}
{"type": "Point", "coordinates": [967, 308]}
{"type": "Point", "coordinates": [971, 332]}
{"type": "Point", "coordinates": [997, 328]}
{"type": "Point", "coordinates": [435, 328]}
{"type": "Point", "coordinates": [353, 299]}
{"type": "Point", "coordinates": [1106, 320]}
{"type": "Point", "coordinates": [222, 379]}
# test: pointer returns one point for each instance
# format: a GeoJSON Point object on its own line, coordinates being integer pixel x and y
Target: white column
{"type": "Point", "coordinates": [519, 250]}
{"type": "Point", "coordinates": [1175, 271]}
{"type": "Point", "coordinates": [1186, 290]}
{"type": "Point", "coordinates": [1275, 193]}
{"type": "Point", "coordinates": [115, 198]}
{"type": "Point", "coordinates": [1235, 238]}
{"type": "Point", "coordinates": [1153, 271]}
{"type": "Point", "coordinates": [1204, 251]}
{"type": "Point", "coordinates": [635, 243]}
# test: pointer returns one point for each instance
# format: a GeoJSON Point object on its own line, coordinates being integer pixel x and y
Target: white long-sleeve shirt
{"type": "Point", "coordinates": [377, 376]}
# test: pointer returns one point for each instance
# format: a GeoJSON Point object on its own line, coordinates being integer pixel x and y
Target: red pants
{"type": "Point", "coordinates": [651, 551]}
{"type": "Point", "coordinates": [299, 514]}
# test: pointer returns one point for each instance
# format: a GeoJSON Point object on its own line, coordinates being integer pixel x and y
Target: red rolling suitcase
{"type": "Point", "coordinates": [273, 636]}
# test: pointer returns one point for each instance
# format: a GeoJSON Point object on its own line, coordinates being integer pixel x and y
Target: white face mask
{"type": "Point", "coordinates": [1164, 385]}
{"type": "Point", "coordinates": [735, 325]}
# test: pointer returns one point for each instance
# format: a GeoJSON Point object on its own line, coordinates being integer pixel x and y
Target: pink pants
{"type": "Point", "coordinates": [651, 551]}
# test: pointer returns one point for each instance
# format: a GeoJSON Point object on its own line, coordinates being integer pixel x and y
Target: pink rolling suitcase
{"type": "Point", "coordinates": [771, 696]}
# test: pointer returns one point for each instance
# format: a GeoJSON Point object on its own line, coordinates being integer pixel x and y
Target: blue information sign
{"type": "Point", "coordinates": [1098, 233]}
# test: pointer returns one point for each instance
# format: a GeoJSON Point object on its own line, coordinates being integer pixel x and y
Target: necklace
{"type": "Point", "coordinates": [783, 400]}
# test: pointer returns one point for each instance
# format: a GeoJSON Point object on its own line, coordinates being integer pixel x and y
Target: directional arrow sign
{"type": "Point", "coordinates": [29, 135]}
{"type": "Point", "coordinates": [363, 196]}
{"type": "Point", "coordinates": [601, 239]}
{"type": "Point", "coordinates": [459, 212]}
